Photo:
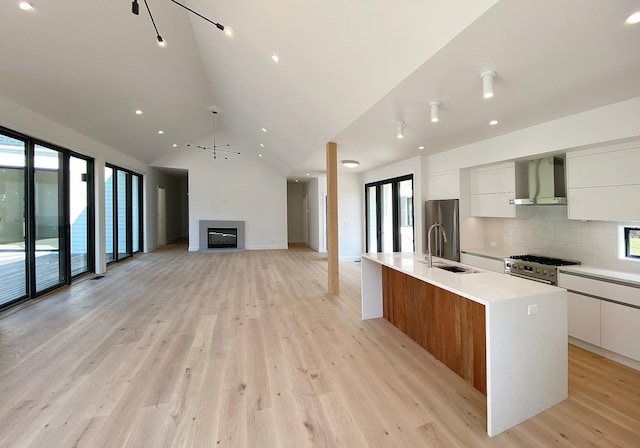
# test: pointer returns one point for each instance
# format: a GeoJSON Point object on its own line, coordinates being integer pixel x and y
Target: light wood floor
{"type": "Point", "coordinates": [178, 349]}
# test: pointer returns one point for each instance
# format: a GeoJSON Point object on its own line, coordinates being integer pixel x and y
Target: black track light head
{"type": "Point", "coordinates": [135, 8]}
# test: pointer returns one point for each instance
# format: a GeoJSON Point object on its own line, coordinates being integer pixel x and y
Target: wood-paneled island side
{"type": "Point", "coordinates": [504, 335]}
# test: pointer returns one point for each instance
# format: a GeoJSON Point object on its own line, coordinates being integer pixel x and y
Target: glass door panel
{"type": "Point", "coordinates": [108, 212]}
{"type": "Point", "coordinates": [406, 215]}
{"type": "Point", "coordinates": [122, 178]}
{"type": "Point", "coordinates": [386, 217]}
{"type": "Point", "coordinates": [13, 255]}
{"type": "Point", "coordinates": [372, 221]}
{"type": "Point", "coordinates": [49, 225]}
{"type": "Point", "coordinates": [79, 214]}
{"type": "Point", "coordinates": [135, 213]}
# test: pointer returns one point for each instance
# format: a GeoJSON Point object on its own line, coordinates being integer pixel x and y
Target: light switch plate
{"type": "Point", "coordinates": [532, 309]}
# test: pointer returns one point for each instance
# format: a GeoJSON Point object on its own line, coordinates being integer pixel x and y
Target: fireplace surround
{"type": "Point", "coordinates": [221, 227]}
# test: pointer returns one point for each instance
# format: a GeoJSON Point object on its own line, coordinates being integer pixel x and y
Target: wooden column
{"type": "Point", "coordinates": [332, 219]}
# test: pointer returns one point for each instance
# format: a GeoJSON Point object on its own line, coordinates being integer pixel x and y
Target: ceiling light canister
{"type": "Point", "coordinates": [633, 18]}
{"type": "Point", "coordinates": [350, 163]}
{"type": "Point", "coordinates": [400, 129]}
{"type": "Point", "coordinates": [487, 83]}
{"type": "Point", "coordinates": [434, 105]}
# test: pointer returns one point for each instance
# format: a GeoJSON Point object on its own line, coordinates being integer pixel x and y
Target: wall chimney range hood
{"type": "Point", "coordinates": [546, 183]}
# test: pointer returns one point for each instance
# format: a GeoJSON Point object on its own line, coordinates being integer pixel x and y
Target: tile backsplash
{"type": "Point", "coordinates": [548, 232]}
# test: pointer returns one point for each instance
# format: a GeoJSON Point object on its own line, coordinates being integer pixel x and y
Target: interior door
{"type": "Point", "coordinates": [162, 216]}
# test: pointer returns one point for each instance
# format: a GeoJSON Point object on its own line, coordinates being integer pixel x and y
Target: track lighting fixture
{"type": "Point", "coordinates": [400, 129]}
{"type": "Point", "coordinates": [487, 83]}
{"type": "Point", "coordinates": [135, 10]}
{"type": "Point", "coordinates": [434, 105]}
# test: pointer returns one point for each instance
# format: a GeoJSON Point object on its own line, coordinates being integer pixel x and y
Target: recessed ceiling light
{"type": "Point", "coordinates": [175, 145]}
{"type": "Point", "coordinates": [275, 58]}
{"type": "Point", "coordinates": [296, 180]}
{"type": "Point", "coordinates": [493, 122]}
{"type": "Point", "coordinates": [259, 154]}
{"type": "Point", "coordinates": [350, 163]}
{"type": "Point", "coordinates": [633, 18]}
{"type": "Point", "coordinates": [138, 112]}
{"type": "Point", "coordinates": [262, 145]}
{"type": "Point", "coordinates": [160, 132]}
{"type": "Point", "coordinates": [306, 174]}
{"type": "Point", "coordinates": [420, 147]}
{"type": "Point", "coordinates": [26, 6]}
{"type": "Point", "coordinates": [264, 130]}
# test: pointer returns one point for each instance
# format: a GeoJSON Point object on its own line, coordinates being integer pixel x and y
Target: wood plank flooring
{"type": "Point", "coordinates": [179, 349]}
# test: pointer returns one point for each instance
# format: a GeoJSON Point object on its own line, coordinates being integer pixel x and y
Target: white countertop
{"type": "Point", "coordinates": [481, 286]}
{"type": "Point", "coordinates": [604, 274]}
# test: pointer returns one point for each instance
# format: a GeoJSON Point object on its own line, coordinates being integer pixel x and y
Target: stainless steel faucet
{"type": "Point", "coordinates": [444, 237]}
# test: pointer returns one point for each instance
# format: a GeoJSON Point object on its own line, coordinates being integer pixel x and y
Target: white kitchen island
{"type": "Point", "coordinates": [525, 331]}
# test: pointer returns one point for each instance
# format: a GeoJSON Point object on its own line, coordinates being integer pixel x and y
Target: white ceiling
{"type": "Point", "coordinates": [348, 71]}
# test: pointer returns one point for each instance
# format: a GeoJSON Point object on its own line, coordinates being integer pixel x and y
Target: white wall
{"type": "Point", "coordinates": [316, 191]}
{"type": "Point", "coordinates": [350, 216]}
{"type": "Point", "coordinates": [242, 188]}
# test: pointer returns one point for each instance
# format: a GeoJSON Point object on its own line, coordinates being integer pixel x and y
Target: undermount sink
{"type": "Point", "coordinates": [455, 269]}
{"type": "Point", "coordinates": [449, 267]}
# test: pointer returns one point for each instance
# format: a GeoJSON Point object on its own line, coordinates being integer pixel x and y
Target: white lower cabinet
{"type": "Point", "coordinates": [621, 329]}
{"type": "Point", "coordinates": [584, 317]}
{"type": "Point", "coordinates": [593, 318]}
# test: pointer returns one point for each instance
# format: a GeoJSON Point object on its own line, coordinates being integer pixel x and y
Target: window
{"type": "Point", "coordinates": [632, 242]}
{"type": "Point", "coordinates": [389, 215]}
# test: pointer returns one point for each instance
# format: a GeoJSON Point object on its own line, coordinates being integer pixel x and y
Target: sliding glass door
{"type": "Point", "coordinates": [13, 238]}
{"type": "Point", "coordinates": [123, 196]}
{"type": "Point", "coordinates": [46, 219]}
{"type": "Point", "coordinates": [389, 215]}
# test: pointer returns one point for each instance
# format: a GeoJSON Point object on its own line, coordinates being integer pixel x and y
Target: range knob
{"type": "Point", "coordinates": [544, 272]}
{"type": "Point", "coordinates": [537, 271]}
{"type": "Point", "coordinates": [552, 273]}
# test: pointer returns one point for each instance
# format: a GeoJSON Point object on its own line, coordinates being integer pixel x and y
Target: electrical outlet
{"type": "Point", "coordinates": [532, 309]}
{"type": "Point", "coordinates": [493, 243]}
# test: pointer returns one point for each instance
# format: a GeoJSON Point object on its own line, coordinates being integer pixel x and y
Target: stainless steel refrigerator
{"type": "Point", "coordinates": [446, 213]}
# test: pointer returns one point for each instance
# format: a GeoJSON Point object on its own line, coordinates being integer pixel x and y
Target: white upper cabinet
{"type": "Point", "coordinates": [492, 187]}
{"type": "Point", "coordinates": [604, 184]}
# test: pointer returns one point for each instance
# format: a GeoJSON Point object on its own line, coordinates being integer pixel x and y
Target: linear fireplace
{"type": "Point", "coordinates": [220, 238]}
{"type": "Point", "coordinates": [221, 235]}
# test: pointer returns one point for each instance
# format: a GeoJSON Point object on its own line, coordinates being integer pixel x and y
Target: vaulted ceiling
{"type": "Point", "coordinates": [347, 72]}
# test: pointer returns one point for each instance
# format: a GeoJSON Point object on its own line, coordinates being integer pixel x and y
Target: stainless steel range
{"type": "Point", "coordinates": [534, 267]}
